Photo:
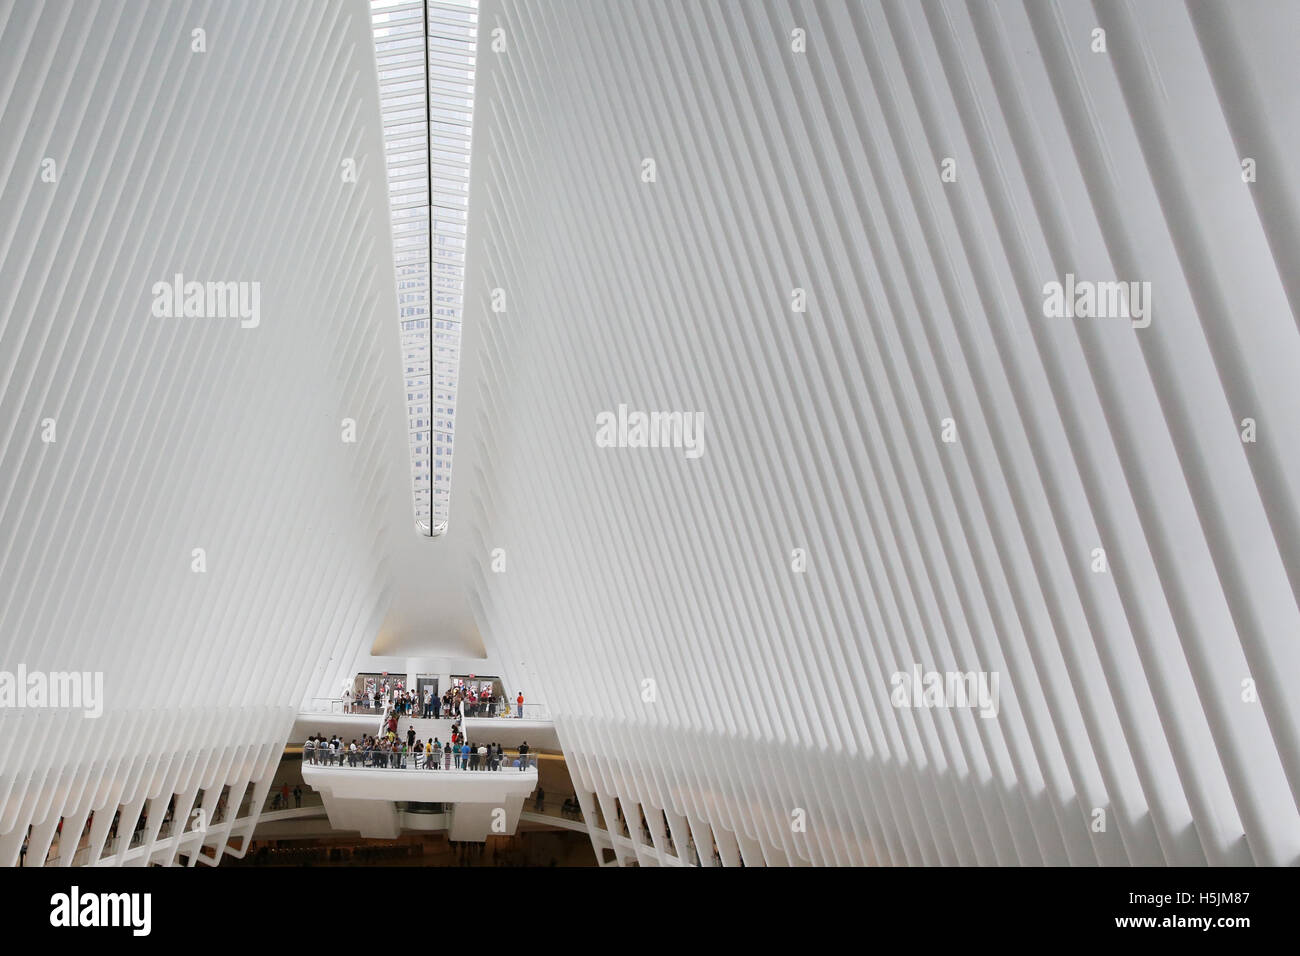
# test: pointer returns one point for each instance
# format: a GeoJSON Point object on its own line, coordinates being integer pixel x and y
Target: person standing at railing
{"type": "Point", "coordinates": [523, 754]}
{"type": "Point", "coordinates": [519, 702]}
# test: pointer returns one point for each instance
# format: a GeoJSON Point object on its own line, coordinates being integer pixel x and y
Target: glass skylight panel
{"type": "Point", "coordinates": [425, 54]}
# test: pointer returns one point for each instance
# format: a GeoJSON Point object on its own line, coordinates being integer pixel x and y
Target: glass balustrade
{"type": "Point", "coordinates": [439, 760]}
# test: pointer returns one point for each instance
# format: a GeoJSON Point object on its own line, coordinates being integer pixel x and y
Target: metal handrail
{"type": "Point", "coordinates": [332, 705]}
{"type": "Point", "coordinates": [531, 712]}
{"type": "Point", "coordinates": [408, 759]}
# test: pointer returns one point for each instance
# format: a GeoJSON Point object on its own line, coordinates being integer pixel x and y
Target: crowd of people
{"type": "Point", "coordinates": [380, 695]}
{"type": "Point", "coordinates": [280, 799]}
{"type": "Point", "coordinates": [390, 751]}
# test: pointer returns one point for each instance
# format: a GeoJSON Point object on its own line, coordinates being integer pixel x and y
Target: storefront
{"type": "Point", "coordinates": [488, 693]}
{"type": "Point", "coordinates": [374, 688]}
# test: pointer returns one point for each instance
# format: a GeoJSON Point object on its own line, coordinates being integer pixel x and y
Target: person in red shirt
{"type": "Point", "coordinates": [519, 702]}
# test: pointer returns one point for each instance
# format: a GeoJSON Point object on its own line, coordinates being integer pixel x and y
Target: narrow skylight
{"type": "Point", "coordinates": [425, 51]}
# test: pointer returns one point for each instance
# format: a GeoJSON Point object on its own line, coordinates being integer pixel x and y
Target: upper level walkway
{"type": "Point", "coordinates": [334, 716]}
{"type": "Point", "coordinates": [364, 791]}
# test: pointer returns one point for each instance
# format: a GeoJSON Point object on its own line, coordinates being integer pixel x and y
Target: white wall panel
{"type": "Point", "coordinates": [1121, 691]}
{"type": "Point", "coordinates": [181, 433]}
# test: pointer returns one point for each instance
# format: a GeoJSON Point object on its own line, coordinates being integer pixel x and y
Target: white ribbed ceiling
{"type": "Point", "coordinates": [821, 170]}
{"type": "Point", "coordinates": [649, 597]}
{"type": "Point", "coordinates": [251, 153]}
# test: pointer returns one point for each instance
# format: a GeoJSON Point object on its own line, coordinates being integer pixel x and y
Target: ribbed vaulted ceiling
{"type": "Point", "coordinates": [223, 157]}
{"type": "Point", "coordinates": [652, 596]}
